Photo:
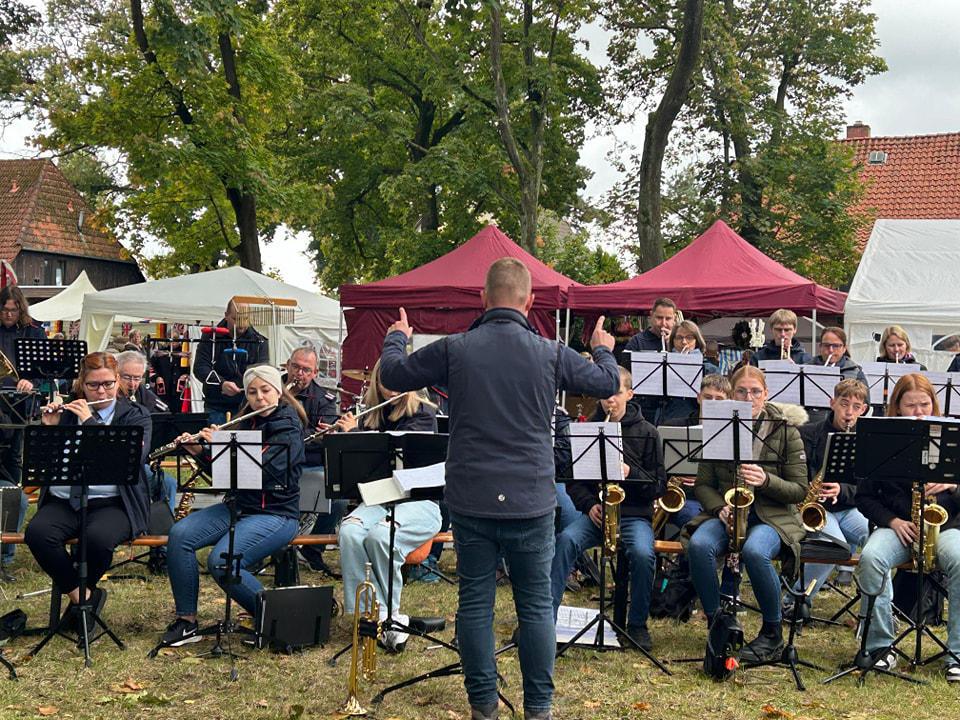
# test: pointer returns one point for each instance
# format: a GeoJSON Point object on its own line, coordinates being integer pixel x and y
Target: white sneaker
{"type": "Point", "coordinates": [953, 673]}
{"type": "Point", "coordinates": [887, 662]}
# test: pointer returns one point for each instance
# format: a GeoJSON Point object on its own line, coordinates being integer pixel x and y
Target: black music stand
{"type": "Point", "coordinates": [227, 626]}
{"type": "Point", "coordinates": [915, 451]}
{"type": "Point", "coordinates": [609, 452]}
{"type": "Point", "coordinates": [55, 455]}
{"type": "Point", "coordinates": [17, 408]}
{"type": "Point", "coordinates": [664, 371]}
{"type": "Point", "coordinates": [50, 359]}
{"type": "Point", "coordinates": [808, 380]}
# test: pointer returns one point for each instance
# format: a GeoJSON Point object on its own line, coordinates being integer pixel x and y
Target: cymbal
{"type": "Point", "coordinates": [358, 375]}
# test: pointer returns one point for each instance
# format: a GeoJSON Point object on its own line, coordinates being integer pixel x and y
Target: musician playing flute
{"type": "Point", "coordinates": [115, 514]}
{"type": "Point", "coordinates": [365, 533]}
{"type": "Point", "coordinates": [642, 460]}
{"type": "Point", "coordinates": [887, 503]}
{"type": "Point", "coordinates": [502, 379]}
{"type": "Point", "coordinates": [268, 518]}
{"type": "Point", "coordinates": [895, 347]}
{"type": "Point", "coordinates": [783, 345]}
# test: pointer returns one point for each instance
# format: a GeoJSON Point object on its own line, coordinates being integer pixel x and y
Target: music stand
{"type": "Point", "coordinates": [882, 376]}
{"type": "Point", "coordinates": [16, 408]}
{"type": "Point", "coordinates": [226, 627]}
{"type": "Point", "coordinates": [58, 455]}
{"type": "Point", "coordinates": [947, 387]}
{"type": "Point", "coordinates": [806, 385]}
{"type": "Point", "coordinates": [666, 375]}
{"type": "Point", "coordinates": [605, 449]}
{"type": "Point", "coordinates": [915, 451]}
{"type": "Point", "coordinates": [50, 359]}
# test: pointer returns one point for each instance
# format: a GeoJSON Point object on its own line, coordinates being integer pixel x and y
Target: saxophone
{"type": "Point", "coordinates": [813, 516]}
{"type": "Point", "coordinates": [932, 515]}
{"type": "Point", "coordinates": [363, 659]}
{"type": "Point", "coordinates": [611, 519]}
{"type": "Point", "coordinates": [672, 501]}
{"type": "Point", "coordinates": [739, 499]}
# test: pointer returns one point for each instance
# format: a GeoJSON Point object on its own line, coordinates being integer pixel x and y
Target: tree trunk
{"type": "Point", "coordinates": [245, 210]}
{"type": "Point", "coordinates": [649, 211]}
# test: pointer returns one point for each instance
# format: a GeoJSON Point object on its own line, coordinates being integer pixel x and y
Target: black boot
{"type": "Point", "coordinates": [768, 645]}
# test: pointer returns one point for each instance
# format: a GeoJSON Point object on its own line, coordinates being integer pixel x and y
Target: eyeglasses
{"type": "Point", "coordinates": [132, 378]}
{"type": "Point", "coordinates": [294, 368]}
{"type": "Point", "coordinates": [106, 385]}
{"type": "Point", "coordinates": [742, 392]}
{"type": "Point", "coordinates": [10, 311]}
{"type": "Point", "coordinates": [831, 346]}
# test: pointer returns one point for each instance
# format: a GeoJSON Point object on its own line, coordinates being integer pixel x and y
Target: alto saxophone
{"type": "Point", "coordinates": [611, 519]}
{"type": "Point", "coordinates": [932, 515]}
{"type": "Point", "coordinates": [672, 502]}
{"type": "Point", "coordinates": [813, 515]}
{"type": "Point", "coordinates": [739, 499]}
{"type": "Point", "coordinates": [363, 659]}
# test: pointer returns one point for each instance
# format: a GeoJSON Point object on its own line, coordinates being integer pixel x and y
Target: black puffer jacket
{"type": "Point", "coordinates": [216, 362]}
{"type": "Point", "coordinates": [814, 435]}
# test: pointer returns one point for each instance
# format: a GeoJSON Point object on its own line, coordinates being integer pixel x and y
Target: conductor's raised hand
{"type": "Point", "coordinates": [402, 325]}
{"type": "Point", "coordinates": [600, 337]}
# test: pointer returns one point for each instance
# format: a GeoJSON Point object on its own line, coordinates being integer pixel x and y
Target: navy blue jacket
{"type": "Point", "coordinates": [643, 452]}
{"type": "Point", "coordinates": [814, 436]}
{"type": "Point", "coordinates": [771, 351]}
{"type": "Point", "coordinates": [954, 364]}
{"type": "Point", "coordinates": [135, 498]}
{"type": "Point", "coordinates": [908, 360]}
{"type": "Point", "coordinates": [321, 407]}
{"type": "Point", "coordinates": [502, 379]}
{"type": "Point", "coordinates": [216, 363]}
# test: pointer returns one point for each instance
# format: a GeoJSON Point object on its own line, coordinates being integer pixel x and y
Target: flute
{"type": "Point", "coordinates": [90, 403]}
{"type": "Point", "coordinates": [663, 340]}
{"type": "Point", "coordinates": [169, 447]}
{"type": "Point", "coordinates": [321, 433]}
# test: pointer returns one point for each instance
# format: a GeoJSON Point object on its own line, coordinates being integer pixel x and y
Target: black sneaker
{"type": "Point", "coordinates": [181, 632]}
{"type": "Point", "coordinates": [641, 636]}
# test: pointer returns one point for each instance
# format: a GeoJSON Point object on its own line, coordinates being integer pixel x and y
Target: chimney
{"type": "Point", "coordinates": [858, 130]}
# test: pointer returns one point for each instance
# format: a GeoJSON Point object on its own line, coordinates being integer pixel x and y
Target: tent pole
{"type": "Point", "coordinates": [813, 333]}
{"type": "Point", "coordinates": [566, 338]}
{"type": "Point", "coordinates": [339, 343]}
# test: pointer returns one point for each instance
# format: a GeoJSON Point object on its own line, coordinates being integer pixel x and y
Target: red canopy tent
{"type": "Point", "coordinates": [443, 296]}
{"type": "Point", "coordinates": [719, 273]}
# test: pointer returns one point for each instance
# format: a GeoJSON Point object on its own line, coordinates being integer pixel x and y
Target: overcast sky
{"type": "Point", "coordinates": [919, 94]}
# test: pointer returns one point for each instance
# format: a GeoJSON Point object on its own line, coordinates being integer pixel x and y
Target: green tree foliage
{"type": "Point", "coordinates": [756, 132]}
{"type": "Point", "coordinates": [570, 252]}
{"type": "Point", "coordinates": [16, 19]}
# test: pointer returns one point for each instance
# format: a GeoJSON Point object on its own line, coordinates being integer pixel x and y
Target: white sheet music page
{"type": "Point", "coordinates": [939, 380]}
{"type": "Point", "coordinates": [874, 372]}
{"type": "Point", "coordinates": [783, 382]}
{"type": "Point", "coordinates": [718, 429]}
{"type": "Point", "coordinates": [819, 382]}
{"type": "Point", "coordinates": [249, 472]}
{"type": "Point", "coordinates": [646, 367]}
{"type": "Point", "coordinates": [585, 444]}
{"type": "Point", "coordinates": [684, 372]}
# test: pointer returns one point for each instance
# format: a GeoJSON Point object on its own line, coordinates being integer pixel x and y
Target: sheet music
{"type": "Point", "coordinates": [940, 381]}
{"type": "Point", "coordinates": [571, 620]}
{"type": "Point", "coordinates": [429, 476]}
{"type": "Point", "coordinates": [786, 379]}
{"type": "Point", "coordinates": [819, 382]}
{"type": "Point", "coordinates": [249, 472]}
{"type": "Point", "coordinates": [783, 380]}
{"type": "Point", "coordinates": [684, 372]}
{"type": "Point", "coordinates": [681, 448]}
{"type": "Point", "coordinates": [874, 372]}
{"type": "Point", "coordinates": [585, 450]}
{"type": "Point", "coordinates": [718, 429]}
{"type": "Point", "coordinates": [647, 370]}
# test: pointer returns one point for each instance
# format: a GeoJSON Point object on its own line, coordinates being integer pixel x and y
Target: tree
{"type": "Point", "coordinates": [16, 19]}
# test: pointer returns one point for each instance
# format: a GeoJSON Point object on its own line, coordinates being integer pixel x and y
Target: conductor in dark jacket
{"type": "Point", "coordinates": [502, 379]}
{"type": "Point", "coordinates": [223, 356]}
{"type": "Point", "coordinates": [115, 513]}
{"type": "Point", "coordinates": [643, 461]}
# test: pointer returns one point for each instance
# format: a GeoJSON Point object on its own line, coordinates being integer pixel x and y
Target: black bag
{"type": "Point", "coordinates": [905, 596]}
{"type": "Point", "coordinates": [286, 567]}
{"type": "Point", "coordinates": [673, 594]}
{"type": "Point", "coordinates": [12, 625]}
{"type": "Point", "coordinates": [724, 640]}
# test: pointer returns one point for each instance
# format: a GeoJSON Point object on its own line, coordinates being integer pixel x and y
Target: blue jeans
{"type": "Point", "coordinates": [710, 542]}
{"type": "Point", "coordinates": [9, 550]}
{"type": "Point", "coordinates": [884, 551]}
{"type": "Point", "coordinates": [637, 542]}
{"type": "Point", "coordinates": [527, 545]}
{"type": "Point", "coordinates": [568, 511]}
{"type": "Point", "coordinates": [849, 524]}
{"type": "Point", "coordinates": [691, 508]}
{"type": "Point", "coordinates": [257, 536]}
{"type": "Point", "coordinates": [365, 538]}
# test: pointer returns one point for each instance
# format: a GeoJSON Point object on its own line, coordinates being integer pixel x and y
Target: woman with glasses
{"type": "Point", "coordinates": [834, 352]}
{"type": "Point", "coordinates": [778, 481]}
{"type": "Point", "coordinates": [114, 513]}
{"type": "Point", "coordinates": [686, 338]}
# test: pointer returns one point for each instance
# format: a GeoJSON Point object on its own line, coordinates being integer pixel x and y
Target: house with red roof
{"type": "Point", "coordinates": [49, 234]}
{"type": "Point", "coordinates": [911, 177]}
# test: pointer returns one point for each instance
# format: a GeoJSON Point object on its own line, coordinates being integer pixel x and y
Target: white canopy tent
{"type": "Point", "coordinates": [66, 304]}
{"type": "Point", "coordinates": [202, 298]}
{"type": "Point", "coordinates": [908, 277]}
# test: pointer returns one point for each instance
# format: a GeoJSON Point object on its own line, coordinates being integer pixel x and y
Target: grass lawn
{"type": "Point", "coordinates": [125, 684]}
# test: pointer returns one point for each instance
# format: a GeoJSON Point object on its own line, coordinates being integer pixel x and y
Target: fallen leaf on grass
{"type": "Point", "coordinates": [774, 713]}
{"type": "Point", "coordinates": [262, 703]}
{"type": "Point", "coordinates": [592, 704]}
{"type": "Point", "coordinates": [47, 710]}
{"type": "Point", "coordinates": [129, 686]}
{"type": "Point", "coordinates": [641, 706]}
